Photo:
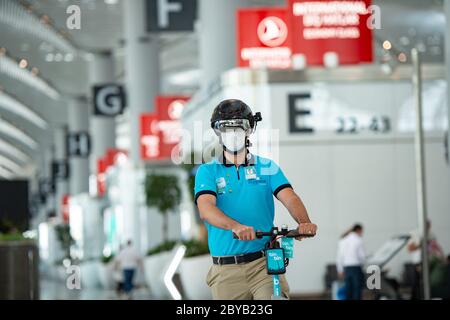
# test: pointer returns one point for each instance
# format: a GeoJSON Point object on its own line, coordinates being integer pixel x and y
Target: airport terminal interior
{"type": "Point", "coordinates": [107, 133]}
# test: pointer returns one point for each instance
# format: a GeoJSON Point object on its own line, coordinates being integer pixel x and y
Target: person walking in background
{"type": "Point", "coordinates": [350, 259]}
{"type": "Point", "coordinates": [128, 260]}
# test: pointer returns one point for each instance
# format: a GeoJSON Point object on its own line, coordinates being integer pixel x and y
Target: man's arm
{"type": "Point", "coordinates": [297, 210]}
{"type": "Point", "coordinates": [209, 212]}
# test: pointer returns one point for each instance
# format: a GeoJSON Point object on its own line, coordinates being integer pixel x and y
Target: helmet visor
{"type": "Point", "coordinates": [222, 125]}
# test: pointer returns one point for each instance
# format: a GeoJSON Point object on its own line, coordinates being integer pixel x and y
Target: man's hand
{"type": "Point", "coordinates": [245, 233]}
{"type": "Point", "coordinates": [307, 228]}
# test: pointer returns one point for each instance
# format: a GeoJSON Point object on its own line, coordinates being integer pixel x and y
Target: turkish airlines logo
{"type": "Point", "coordinates": [175, 109]}
{"type": "Point", "coordinates": [272, 31]}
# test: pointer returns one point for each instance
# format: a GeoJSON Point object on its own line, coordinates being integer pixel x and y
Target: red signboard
{"type": "Point", "coordinates": [101, 176]}
{"type": "Point", "coordinates": [264, 38]}
{"type": "Point", "coordinates": [150, 137]}
{"type": "Point", "coordinates": [307, 30]}
{"type": "Point", "coordinates": [112, 155]}
{"type": "Point", "coordinates": [65, 208]}
{"type": "Point", "coordinates": [337, 26]}
{"type": "Point", "coordinates": [161, 131]}
{"type": "Point", "coordinates": [103, 163]}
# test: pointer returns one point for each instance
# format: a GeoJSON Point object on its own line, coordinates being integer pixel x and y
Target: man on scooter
{"type": "Point", "coordinates": [234, 194]}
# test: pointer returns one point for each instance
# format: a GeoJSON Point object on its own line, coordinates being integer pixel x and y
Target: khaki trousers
{"type": "Point", "coordinates": [245, 281]}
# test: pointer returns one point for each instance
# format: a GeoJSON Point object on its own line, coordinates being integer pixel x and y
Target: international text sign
{"type": "Point", "coordinates": [331, 27]}
{"type": "Point", "coordinates": [312, 31]}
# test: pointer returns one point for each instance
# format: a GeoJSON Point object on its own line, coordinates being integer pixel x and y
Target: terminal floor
{"type": "Point", "coordinates": [57, 290]}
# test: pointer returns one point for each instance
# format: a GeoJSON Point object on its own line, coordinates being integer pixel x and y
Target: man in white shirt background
{"type": "Point", "coordinates": [350, 259]}
{"type": "Point", "coordinates": [128, 260]}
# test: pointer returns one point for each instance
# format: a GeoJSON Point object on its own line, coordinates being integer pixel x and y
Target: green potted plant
{"type": "Point", "coordinates": [11, 236]}
{"type": "Point", "coordinates": [65, 238]}
{"type": "Point", "coordinates": [190, 166]}
{"type": "Point", "coordinates": [163, 193]}
{"type": "Point", "coordinates": [163, 247]}
{"type": "Point", "coordinates": [9, 231]}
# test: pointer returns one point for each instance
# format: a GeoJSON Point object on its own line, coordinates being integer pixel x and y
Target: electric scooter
{"type": "Point", "coordinates": [277, 254]}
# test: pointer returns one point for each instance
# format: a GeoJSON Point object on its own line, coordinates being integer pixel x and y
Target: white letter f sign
{"type": "Point", "coordinates": [164, 9]}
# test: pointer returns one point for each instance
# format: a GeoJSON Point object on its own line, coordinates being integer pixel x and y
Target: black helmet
{"type": "Point", "coordinates": [233, 109]}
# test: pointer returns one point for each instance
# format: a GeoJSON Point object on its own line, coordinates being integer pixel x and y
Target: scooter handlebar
{"type": "Point", "coordinates": [288, 234]}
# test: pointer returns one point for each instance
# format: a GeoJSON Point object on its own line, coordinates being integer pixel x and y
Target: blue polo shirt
{"type": "Point", "coordinates": [245, 194]}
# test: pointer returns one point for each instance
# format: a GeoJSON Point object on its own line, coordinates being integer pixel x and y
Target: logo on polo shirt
{"type": "Point", "coordinates": [250, 173]}
{"type": "Point", "coordinates": [221, 184]}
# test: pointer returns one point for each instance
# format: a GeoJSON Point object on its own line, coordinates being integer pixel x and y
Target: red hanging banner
{"type": "Point", "coordinates": [264, 38]}
{"type": "Point", "coordinates": [150, 137]}
{"type": "Point", "coordinates": [109, 159]}
{"type": "Point", "coordinates": [161, 131]}
{"type": "Point", "coordinates": [65, 208]}
{"type": "Point", "coordinates": [315, 32]}
{"type": "Point", "coordinates": [102, 165]}
{"type": "Point", "coordinates": [337, 27]}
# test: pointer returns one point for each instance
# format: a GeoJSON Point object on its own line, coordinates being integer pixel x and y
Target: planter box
{"type": "Point", "coordinates": [60, 273]}
{"type": "Point", "coordinates": [89, 274]}
{"type": "Point", "coordinates": [106, 275]}
{"type": "Point", "coordinates": [154, 267]}
{"type": "Point", "coordinates": [193, 272]}
{"type": "Point", "coordinates": [19, 270]}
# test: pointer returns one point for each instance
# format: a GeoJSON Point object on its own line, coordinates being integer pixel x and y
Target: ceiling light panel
{"type": "Point", "coordinates": [11, 104]}
{"type": "Point", "coordinates": [14, 14]}
{"type": "Point", "coordinates": [10, 130]}
{"type": "Point", "coordinates": [12, 69]}
{"type": "Point", "coordinates": [12, 151]}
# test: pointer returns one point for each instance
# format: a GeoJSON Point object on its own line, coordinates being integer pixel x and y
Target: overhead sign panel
{"type": "Point", "coordinates": [171, 15]}
{"type": "Point", "coordinates": [109, 100]}
{"type": "Point", "coordinates": [337, 27]}
{"type": "Point", "coordinates": [60, 170]}
{"type": "Point", "coordinates": [161, 131]}
{"type": "Point", "coordinates": [305, 33]}
{"type": "Point", "coordinates": [264, 38]}
{"type": "Point", "coordinates": [78, 144]}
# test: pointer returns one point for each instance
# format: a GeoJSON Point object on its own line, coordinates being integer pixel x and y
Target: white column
{"type": "Point", "coordinates": [102, 128]}
{"type": "Point", "coordinates": [59, 139]}
{"type": "Point", "coordinates": [217, 37]}
{"type": "Point", "coordinates": [142, 85]}
{"type": "Point", "coordinates": [79, 167]}
{"type": "Point", "coordinates": [142, 68]}
{"type": "Point", "coordinates": [46, 173]}
{"type": "Point", "coordinates": [447, 59]}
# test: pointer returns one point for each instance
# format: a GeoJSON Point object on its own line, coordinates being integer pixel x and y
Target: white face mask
{"type": "Point", "coordinates": [233, 139]}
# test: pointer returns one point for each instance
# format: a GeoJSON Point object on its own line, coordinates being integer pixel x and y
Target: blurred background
{"type": "Point", "coordinates": [104, 105]}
